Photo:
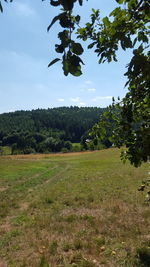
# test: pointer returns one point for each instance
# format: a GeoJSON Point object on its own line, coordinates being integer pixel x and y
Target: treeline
{"type": "Point", "coordinates": [46, 130]}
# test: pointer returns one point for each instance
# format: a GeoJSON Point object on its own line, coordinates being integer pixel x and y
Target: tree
{"type": "Point", "coordinates": [126, 27]}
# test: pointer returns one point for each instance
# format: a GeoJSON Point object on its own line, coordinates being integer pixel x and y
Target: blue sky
{"type": "Point", "coordinates": [26, 49]}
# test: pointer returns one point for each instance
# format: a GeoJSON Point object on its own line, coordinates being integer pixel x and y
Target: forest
{"type": "Point", "coordinates": [47, 130]}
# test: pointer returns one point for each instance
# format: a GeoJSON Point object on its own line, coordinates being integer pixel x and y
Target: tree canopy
{"type": "Point", "coordinates": [126, 27]}
{"type": "Point", "coordinates": [46, 130]}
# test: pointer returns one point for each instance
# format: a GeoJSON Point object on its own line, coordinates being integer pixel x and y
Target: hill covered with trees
{"type": "Point", "coordinates": [46, 130]}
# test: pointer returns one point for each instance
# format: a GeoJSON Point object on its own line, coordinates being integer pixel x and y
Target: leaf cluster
{"type": "Point", "coordinates": [70, 50]}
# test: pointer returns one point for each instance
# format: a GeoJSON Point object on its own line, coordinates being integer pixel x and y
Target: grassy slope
{"type": "Point", "coordinates": [71, 210]}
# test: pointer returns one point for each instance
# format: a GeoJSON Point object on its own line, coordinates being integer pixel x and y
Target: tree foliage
{"type": "Point", "coordinates": [46, 130]}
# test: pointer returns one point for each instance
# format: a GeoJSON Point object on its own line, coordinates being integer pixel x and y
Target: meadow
{"type": "Point", "coordinates": [78, 209]}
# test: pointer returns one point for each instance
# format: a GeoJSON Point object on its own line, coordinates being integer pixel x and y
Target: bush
{"type": "Point", "coordinates": [64, 150]}
{"type": "Point", "coordinates": [68, 145]}
{"type": "Point", "coordinates": [76, 147]}
{"type": "Point", "coordinates": [29, 150]}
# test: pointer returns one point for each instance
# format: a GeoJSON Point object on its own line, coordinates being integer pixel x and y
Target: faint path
{"type": "Point", "coordinates": [5, 225]}
{"type": "Point", "coordinates": [52, 180]}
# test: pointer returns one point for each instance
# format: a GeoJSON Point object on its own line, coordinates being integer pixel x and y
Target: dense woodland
{"type": "Point", "coordinates": [47, 130]}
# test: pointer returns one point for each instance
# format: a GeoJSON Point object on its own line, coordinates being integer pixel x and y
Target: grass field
{"type": "Point", "coordinates": [79, 210]}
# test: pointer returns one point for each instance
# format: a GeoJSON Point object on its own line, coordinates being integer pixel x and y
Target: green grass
{"type": "Point", "coordinates": [73, 210]}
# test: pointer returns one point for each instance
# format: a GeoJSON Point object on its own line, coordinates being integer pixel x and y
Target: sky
{"type": "Point", "coordinates": [26, 49]}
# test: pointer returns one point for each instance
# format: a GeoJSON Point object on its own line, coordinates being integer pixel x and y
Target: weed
{"type": "Point", "coordinates": [99, 241]}
{"type": "Point", "coordinates": [48, 200]}
{"type": "Point", "coordinates": [67, 246]}
{"type": "Point", "coordinates": [88, 218]}
{"type": "Point", "coordinates": [67, 203]}
{"type": "Point", "coordinates": [20, 220]}
{"type": "Point", "coordinates": [80, 261]}
{"type": "Point", "coordinates": [107, 251]}
{"type": "Point", "coordinates": [90, 198]}
{"type": "Point", "coordinates": [53, 247]}
{"type": "Point", "coordinates": [71, 218]}
{"type": "Point", "coordinates": [43, 262]}
{"type": "Point", "coordinates": [78, 244]}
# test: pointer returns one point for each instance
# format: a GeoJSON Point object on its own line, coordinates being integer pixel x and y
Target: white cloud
{"type": "Point", "coordinates": [78, 102]}
{"type": "Point", "coordinates": [88, 82]}
{"type": "Point", "coordinates": [60, 99]}
{"type": "Point", "coordinates": [92, 89]}
{"type": "Point", "coordinates": [23, 9]}
{"type": "Point", "coordinates": [82, 104]}
{"type": "Point", "coordinates": [76, 99]}
{"type": "Point", "coordinates": [98, 98]}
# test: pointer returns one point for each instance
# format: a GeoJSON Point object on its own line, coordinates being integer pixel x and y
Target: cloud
{"type": "Point", "coordinates": [78, 102]}
{"type": "Point", "coordinates": [23, 9]}
{"type": "Point", "coordinates": [60, 99]}
{"type": "Point", "coordinates": [98, 98]}
{"type": "Point", "coordinates": [92, 89]}
{"type": "Point", "coordinates": [76, 99]}
{"type": "Point", "coordinates": [88, 82]}
{"type": "Point", "coordinates": [81, 104]}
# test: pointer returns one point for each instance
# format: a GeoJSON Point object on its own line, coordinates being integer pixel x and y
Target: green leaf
{"type": "Point", "coordinates": [132, 4]}
{"type": "Point", "coordinates": [75, 70]}
{"type": "Point", "coordinates": [120, 1]}
{"type": "Point", "coordinates": [115, 12]}
{"type": "Point", "coordinates": [106, 21]}
{"type": "Point", "coordinates": [54, 3]}
{"type": "Point", "coordinates": [53, 62]}
{"type": "Point", "coordinates": [93, 10]}
{"type": "Point", "coordinates": [77, 73]}
{"type": "Point", "coordinates": [77, 48]}
{"type": "Point", "coordinates": [80, 2]}
{"type": "Point", "coordinates": [67, 4]}
{"type": "Point", "coordinates": [65, 20]}
{"type": "Point", "coordinates": [1, 8]}
{"type": "Point", "coordinates": [59, 48]}
{"type": "Point", "coordinates": [142, 37]}
{"type": "Point", "coordinates": [77, 18]}
{"type": "Point", "coordinates": [91, 45]}
{"type": "Point", "coordinates": [65, 65]}
{"type": "Point", "coordinates": [53, 21]}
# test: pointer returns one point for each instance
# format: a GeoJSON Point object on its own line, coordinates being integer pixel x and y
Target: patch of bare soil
{"type": "Point", "coordinates": [6, 225]}
{"type": "Point", "coordinates": [2, 189]}
{"type": "Point", "coordinates": [24, 206]}
{"type": "Point", "coordinates": [2, 263]}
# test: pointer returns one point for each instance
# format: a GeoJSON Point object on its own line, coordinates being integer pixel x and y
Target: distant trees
{"type": "Point", "coordinates": [42, 130]}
